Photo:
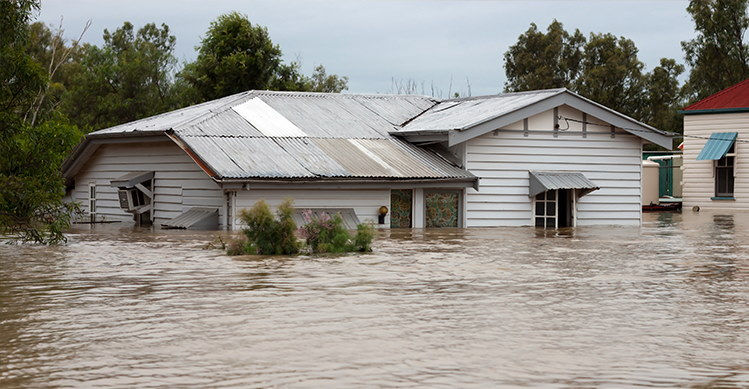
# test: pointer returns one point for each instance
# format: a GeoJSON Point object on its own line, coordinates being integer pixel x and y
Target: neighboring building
{"type": "Point", "coordinates": [548, 158]}
{"type": "Point", "coordinates": [716, 164]}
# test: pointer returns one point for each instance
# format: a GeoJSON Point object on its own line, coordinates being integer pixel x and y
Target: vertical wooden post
{"type": "Point", "coordinates": [585, 125]}
{"type": "Point", "coordinates": [556, 122]}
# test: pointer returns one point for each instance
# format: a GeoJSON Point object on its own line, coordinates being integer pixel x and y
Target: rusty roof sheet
{"type": "Point", "coordinates": [286, 158]}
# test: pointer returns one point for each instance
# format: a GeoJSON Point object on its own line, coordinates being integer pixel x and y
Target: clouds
{"type": "Point", "coordinates": [373, 41]}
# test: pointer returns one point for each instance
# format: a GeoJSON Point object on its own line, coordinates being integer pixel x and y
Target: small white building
{"type": "Point", "coordinates": [547, 158]}
{"type": "Point", "coordinates": [716, 165]}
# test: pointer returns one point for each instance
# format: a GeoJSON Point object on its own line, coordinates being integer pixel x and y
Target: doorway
{"type": "Point", "coordinates": [442, 208]}
{"type": "Point", "coordinates": [401, 204]}
{"type": "Point", "coordinates": [554, 208]}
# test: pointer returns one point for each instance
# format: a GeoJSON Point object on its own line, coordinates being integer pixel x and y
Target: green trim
{"type": "Point", "coordinates": [714, 110]}
{"type": "Point", "coordinates": [722, 198]}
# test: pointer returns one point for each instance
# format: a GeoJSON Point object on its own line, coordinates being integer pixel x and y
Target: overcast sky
{"type": "Point", "coordinates": [373, 42]}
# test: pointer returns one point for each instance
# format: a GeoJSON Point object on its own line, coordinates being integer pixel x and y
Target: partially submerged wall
{"type": "Point", "coordinates": [502, 161]}
{"type": "Point", "coordinates": [179, 182]}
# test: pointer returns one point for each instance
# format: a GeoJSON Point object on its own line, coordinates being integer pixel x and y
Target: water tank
{"type": "Point", "coordinates": [650, 182]}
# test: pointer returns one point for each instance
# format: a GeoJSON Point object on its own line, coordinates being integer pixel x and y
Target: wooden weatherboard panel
{"type": "Point", "coordinates": [698, 178]}
{"type": "Point", "coordinates": [179, 183]}
{"type": "Point", "coordinates": [502, 161]}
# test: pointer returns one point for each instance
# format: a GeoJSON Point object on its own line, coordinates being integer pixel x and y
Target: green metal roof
{"type": "Point", "coordinates": [717, 146]}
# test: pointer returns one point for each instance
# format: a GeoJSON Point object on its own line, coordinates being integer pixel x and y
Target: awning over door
{"type": "Point", "coordinates": [541, 181]}
{"type": "Point", "coordinates": [717, 146]}
{"type": "Point", "coordinates": [129, 180]}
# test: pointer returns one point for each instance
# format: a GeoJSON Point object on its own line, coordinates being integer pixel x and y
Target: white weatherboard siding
{"type": "Point", "coordinates": [502, 161]}
{"type": "Point", "coordinates": [179, 182]}
{"type": "Point", "coordinates": [365, 202]}
{"type": "Point", "coordinates": [699, 179]}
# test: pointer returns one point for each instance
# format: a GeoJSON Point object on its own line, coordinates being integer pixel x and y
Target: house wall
{"type": "Point", "coordinates": [698, 176]}
{"type": "Point", "coordinates": [365, 202]}
{"type": "Point", "coordinates": [503, 158]}
{"type": "Point", "coordinates": [179, 182]}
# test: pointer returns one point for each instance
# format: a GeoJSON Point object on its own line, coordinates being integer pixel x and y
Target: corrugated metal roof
{"type": "Point", "coordinates": [266, 119]}
{"type": "Point", "coordinates": [263, 157]}
{"type": "Point", "coordinates": [541, 181]}
{"type": "Point", "coordinates": [717, 146]}
{"type": "Point", "coordinates": [280, 135]}
{"type": "Point", "coordinates": [735, 96]}
{"type": "Point", "coordinates": [466, 113]}
{"type": "Point", "coordinates": [194, 219]}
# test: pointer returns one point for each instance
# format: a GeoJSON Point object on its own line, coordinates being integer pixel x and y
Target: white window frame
{"type": "Point", "coordinates": [92, 200]}
{"type": "Point", "coordinates": [573, 193]}
{"type": "Point", "coordinates": [545, 216]}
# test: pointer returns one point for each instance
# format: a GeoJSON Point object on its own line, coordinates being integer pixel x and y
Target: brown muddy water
{"type": "Point", "coordinates": [662, 305]}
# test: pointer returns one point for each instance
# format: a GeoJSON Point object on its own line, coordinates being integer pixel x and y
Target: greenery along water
{"type": "Point", "coordinates": [665, 305]}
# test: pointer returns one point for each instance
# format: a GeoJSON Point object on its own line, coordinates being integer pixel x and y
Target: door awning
{"type": "Point", "coordinates": [717, 146]}
{"type": "Point", "coordinates": [541, 181]}
{"type": "Point", "coordinates": [129, 180]}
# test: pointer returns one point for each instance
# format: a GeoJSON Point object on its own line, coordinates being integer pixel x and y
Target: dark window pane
{"type": "Point", "coordinates": [540, 208]}
{"type": "Point", "coordinates": [551, 195]}
{"type": "Point", "coordinates": [539, 222]}
{"type": "Point", "coordinates": [541, 196]}
{"type": "Point", "coordinates": [550, 222]}
{"type": "Point", "coordinates": [551, 208]}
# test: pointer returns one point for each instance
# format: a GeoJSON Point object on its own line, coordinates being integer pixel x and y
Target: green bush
{"type": "Point", "coordinates": [326, 234]}
{"type": "Point", "coordinates": [267, 234]}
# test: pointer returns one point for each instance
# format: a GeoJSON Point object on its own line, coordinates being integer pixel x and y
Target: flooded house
{"type": "Point", "coordinates": [548, 158]}
{"type": "Point", "coordinates": [716, 167]}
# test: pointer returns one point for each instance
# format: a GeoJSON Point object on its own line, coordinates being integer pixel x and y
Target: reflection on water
{"type": "Point", "coordinates": [662, 305]}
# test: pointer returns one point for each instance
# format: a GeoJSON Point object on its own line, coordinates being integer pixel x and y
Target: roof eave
{"type": "Point", "coordinates": [713, 111]}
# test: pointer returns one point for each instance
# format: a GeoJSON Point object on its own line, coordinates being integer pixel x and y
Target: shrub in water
{"type": "Point", "coordinates": [266, 234]}
{"type": "Point", "coordinates": [326, 234]}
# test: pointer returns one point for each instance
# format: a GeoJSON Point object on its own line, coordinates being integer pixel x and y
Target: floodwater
{"type": "Point", "coordinates": [662, 305]}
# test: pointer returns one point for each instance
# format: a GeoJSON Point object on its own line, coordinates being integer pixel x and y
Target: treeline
{"type": "Point", "coordinates": [606, 69]}
{"type": "Point", "coordinates": [135, 74]}
{"type": "Point", "coordinates": [54, 90]}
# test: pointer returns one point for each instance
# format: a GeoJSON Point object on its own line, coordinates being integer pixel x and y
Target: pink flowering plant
{"type": "Point", "coordinates": [326, 234]}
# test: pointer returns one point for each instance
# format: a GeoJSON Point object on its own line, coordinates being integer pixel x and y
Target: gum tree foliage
{"type": "Point", "coordinates": [237, 56]}
{"type": "Point", "coordinates": [544, 60]}
{"type": "Point", "coordinates": [128, 78]}
{"type": "Point", "coordinates": [718, 55]}
{"type": "Point", "coordinates": [31, 152]}
{"type": "Point", "coordinates": [602, 67]}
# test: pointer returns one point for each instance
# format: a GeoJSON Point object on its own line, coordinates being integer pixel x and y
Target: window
{"type": "Point", "coordinates": [724, 174]}
{"type": "Point", "coordinates": [546, 209]}
{"type": "Point", "coordinates": [92, 201]}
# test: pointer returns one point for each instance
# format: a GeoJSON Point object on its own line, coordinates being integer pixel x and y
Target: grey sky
{"type": "Point", "coordinates": [374, 41]}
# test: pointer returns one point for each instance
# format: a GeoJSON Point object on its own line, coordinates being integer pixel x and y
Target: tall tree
{"type": "Point", "coordinates": [718, 56]}
{"type": "Point", "coordinates": [611, 74]}
{"type": "Point", "coordinates": [31, 152]}
{"type": "Point", "coordinates": [237, 56]}
{"type": "Point", "coordinates": [234, 56]}
{"type": "Point", "coordinates": [602, 67]}
{"type": "Point", "coordinates": [663, 96]}
{"type": "Point", "coordinates": [544, 60]}
{"type": "Point", "coordinates": [128, 78]}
